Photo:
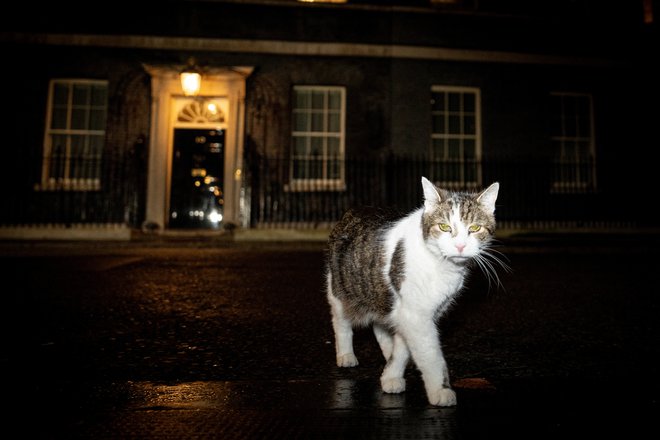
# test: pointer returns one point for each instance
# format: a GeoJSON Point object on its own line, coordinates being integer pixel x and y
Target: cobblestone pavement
{"type": "Point", "coordinates": [221, 340]}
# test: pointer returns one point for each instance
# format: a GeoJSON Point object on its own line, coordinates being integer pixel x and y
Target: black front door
{"type": "Point", "coordinates": [196, 196]}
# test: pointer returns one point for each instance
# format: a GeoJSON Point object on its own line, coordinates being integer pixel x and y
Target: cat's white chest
{"type": "Point", "coordinates": [427, 287]}
{"type": "Point", "coordinates": [429, 281]}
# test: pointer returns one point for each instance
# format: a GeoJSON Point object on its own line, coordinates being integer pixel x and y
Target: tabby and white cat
{"type": "Point", "coordinates": [401, 274]}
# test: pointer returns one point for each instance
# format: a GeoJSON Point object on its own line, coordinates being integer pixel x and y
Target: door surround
{"type": "Point", "coordinates": [225, 83]}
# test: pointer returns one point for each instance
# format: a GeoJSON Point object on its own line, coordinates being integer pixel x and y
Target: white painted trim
{"type": "Point", "coordinates": [217, 83]}
{"type": "Point", "coordinates": [301, 48]}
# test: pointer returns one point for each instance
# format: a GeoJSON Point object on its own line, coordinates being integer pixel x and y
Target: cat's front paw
{"type": "Point", "coordinates": [442, 397]}
{"type": "Point", "coordinates": [394, 385]}
{"type": "Point", "coordinates": [347, 360]}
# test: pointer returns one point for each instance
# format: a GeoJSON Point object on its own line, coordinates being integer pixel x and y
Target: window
{"type": "Point", "coordinates": [75, 135]}
{"type": "Point", "coordinates": [317, 149]}
{"type": "Point", "coordinates": [455, 136]}
{"type": "Point", "coordinates": [573, 142]}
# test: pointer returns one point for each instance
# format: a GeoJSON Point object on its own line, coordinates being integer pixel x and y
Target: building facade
{"type": "Point", "coordinates": [306, 109]}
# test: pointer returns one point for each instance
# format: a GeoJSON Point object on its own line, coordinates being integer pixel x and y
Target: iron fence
{"type": "Point", "coordinates": [529, 195]}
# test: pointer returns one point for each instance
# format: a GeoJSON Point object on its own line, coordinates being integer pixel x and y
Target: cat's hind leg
{"type": "Point", "coordinates": [385, 340]}
{"type": "Point", "coordinates": [392, 381]}
{"type": "Point", "coordinates": [343, 331]}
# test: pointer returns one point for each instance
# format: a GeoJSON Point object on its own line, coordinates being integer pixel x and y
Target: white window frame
{"type": "Point", "coordinates": [66, 180]}
{"type": "Point", "coordinates": [463, 181]}
{"type": "Point", "coordinates": [325, 182]}
{"type": "Point", "coordinates": [569, 167]}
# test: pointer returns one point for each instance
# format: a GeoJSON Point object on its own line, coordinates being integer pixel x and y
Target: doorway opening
{"type": "Point", "coordinates": [197, 187]}
{"type": "Point", "coordinates": [177, 151]}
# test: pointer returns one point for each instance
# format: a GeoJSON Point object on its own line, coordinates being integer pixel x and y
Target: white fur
{"type": "Point", "coordinates": [343, 329]}
{"type": "Point", "coordinates": [434, 272]}
{"type": "Point", "coordinates": [450, 244]}
{"type": "Point", "coordinates": [430, 282]}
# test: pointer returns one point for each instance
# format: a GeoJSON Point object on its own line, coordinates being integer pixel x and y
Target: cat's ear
{"type": "Point", "coordinates": [488, 196]}
{"type": "Point", "coordinates": [431, 195]}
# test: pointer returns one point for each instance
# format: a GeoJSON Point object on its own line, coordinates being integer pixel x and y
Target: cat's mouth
{"type": "Point", "coordinates": [459, 258]}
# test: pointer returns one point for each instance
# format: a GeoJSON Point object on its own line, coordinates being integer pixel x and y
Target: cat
{"type": "Point", "coordinates": [400, 274]}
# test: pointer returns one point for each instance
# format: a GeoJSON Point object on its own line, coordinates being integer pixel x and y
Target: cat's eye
{"type": "Point", "coordinates": [444, 227]}
{"type": "Point", "coordinates": [474, 228]}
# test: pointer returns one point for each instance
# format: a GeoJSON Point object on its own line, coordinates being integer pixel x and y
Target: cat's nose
{"type": "Point", "coordinates": [460, 247]}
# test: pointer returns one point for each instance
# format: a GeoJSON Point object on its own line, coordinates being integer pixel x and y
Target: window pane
{"type": "Point", "coordinates": [334, 122]}
{"type": "Point", "coordinates": [77, 157]}
{"type": "Point", "coordinates": [316, 147]}
{"type": "Point", "coordinates": [301, 121]}
{"type": "Point", "coordinates": [334, 169]}
{"type": "Point", "coordinates": [78, 111]}
{"type": "Point", "coordinates": [79, 119]}
{"type": "Point", "coordinates": [571, 120]}
{"type": "Point", "coordinates": [454, 148]}
{"type": "Point", "coordinates": [570, 125]}
{"type": "Point", "coordinates": [455, 141]}
{"type": "Point", "coordinates": [77, 145]}
{"type": "Point", "coordinates": [316, 169]}
{"type": "Point", "coordinates": [470, 172]}
{"type": "Point", "coordinates": [583, 150]}
{"type": "Point", "coordinates": [323, 158]}
{"type": "Point", "coordinates": [333, 147]}
{"type": "Point", "coordinates": [303, 99]}
{"type": "Point", "coordinates": [453, 172]}
{"type": "Point", "coordinates": [58, 149]}
{"type": "Point", "coordinates": [454, 124]}
{"type": "Point", "coordinates": [584, 124]}
{"type": "Point", "coordinates": [95, 153]}
{"type": "Point", "coordinates": [57, 156]}
{"type": "Point", "coordinates": [317, 122]}
{"type": "Point", "coordinates": [318, 99]}
{"type": "Point", "coordinates": [454, 102]}
{"type": "Point", "coordinates": [469, 149]}
{"type": "Point", "coordinates": [334, 100]}
{"type": "Point", "coordinates": [81, 95]}
{"type": "Point", "coordinates": [469, 125]}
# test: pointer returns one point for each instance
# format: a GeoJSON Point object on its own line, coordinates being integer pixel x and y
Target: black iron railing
{"type": "Point", "coordinates": [530, 194]}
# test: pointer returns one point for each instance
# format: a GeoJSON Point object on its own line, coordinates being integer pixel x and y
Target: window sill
{"type": "Point", "coordinates": [314, 186]}
{"type": "Point", "coordinates": [69, 185]}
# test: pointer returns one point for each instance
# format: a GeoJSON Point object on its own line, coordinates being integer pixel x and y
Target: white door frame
{"type": "Point", "coordinates": [223, 83]}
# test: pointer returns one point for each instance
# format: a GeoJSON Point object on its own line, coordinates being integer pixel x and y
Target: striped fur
{"type": "Point", "coordinates": [399, 273]}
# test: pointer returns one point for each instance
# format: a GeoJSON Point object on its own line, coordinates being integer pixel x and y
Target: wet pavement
{"type": "Point", "coordinates": [221, 340]}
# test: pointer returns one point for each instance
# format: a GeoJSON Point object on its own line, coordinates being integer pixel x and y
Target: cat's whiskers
{"type": "Point", "coordinates": [486, 260]}
{"type": "Point", "coordinates": [401, 274]}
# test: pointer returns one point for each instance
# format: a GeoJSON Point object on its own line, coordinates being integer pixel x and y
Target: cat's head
{"type": "Point", "coordinates": [458, 225]}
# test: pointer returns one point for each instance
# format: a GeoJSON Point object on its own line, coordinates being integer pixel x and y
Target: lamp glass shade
{"type": "Point", "coordinates": [190, 83]}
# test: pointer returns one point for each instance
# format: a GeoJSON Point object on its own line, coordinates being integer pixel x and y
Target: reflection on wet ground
{"type": "Point", "coordinates": [235, 342]}
{"type": "Point", "coordinates": [346, 409]}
